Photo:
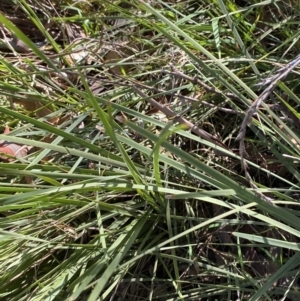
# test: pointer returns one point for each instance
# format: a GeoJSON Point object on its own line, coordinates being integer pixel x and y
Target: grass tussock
{"type": "Point", "coordinates": [155, 150]}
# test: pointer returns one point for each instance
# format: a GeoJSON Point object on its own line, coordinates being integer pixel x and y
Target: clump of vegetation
{"type": "Point", "coordinates": [154, 150]}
